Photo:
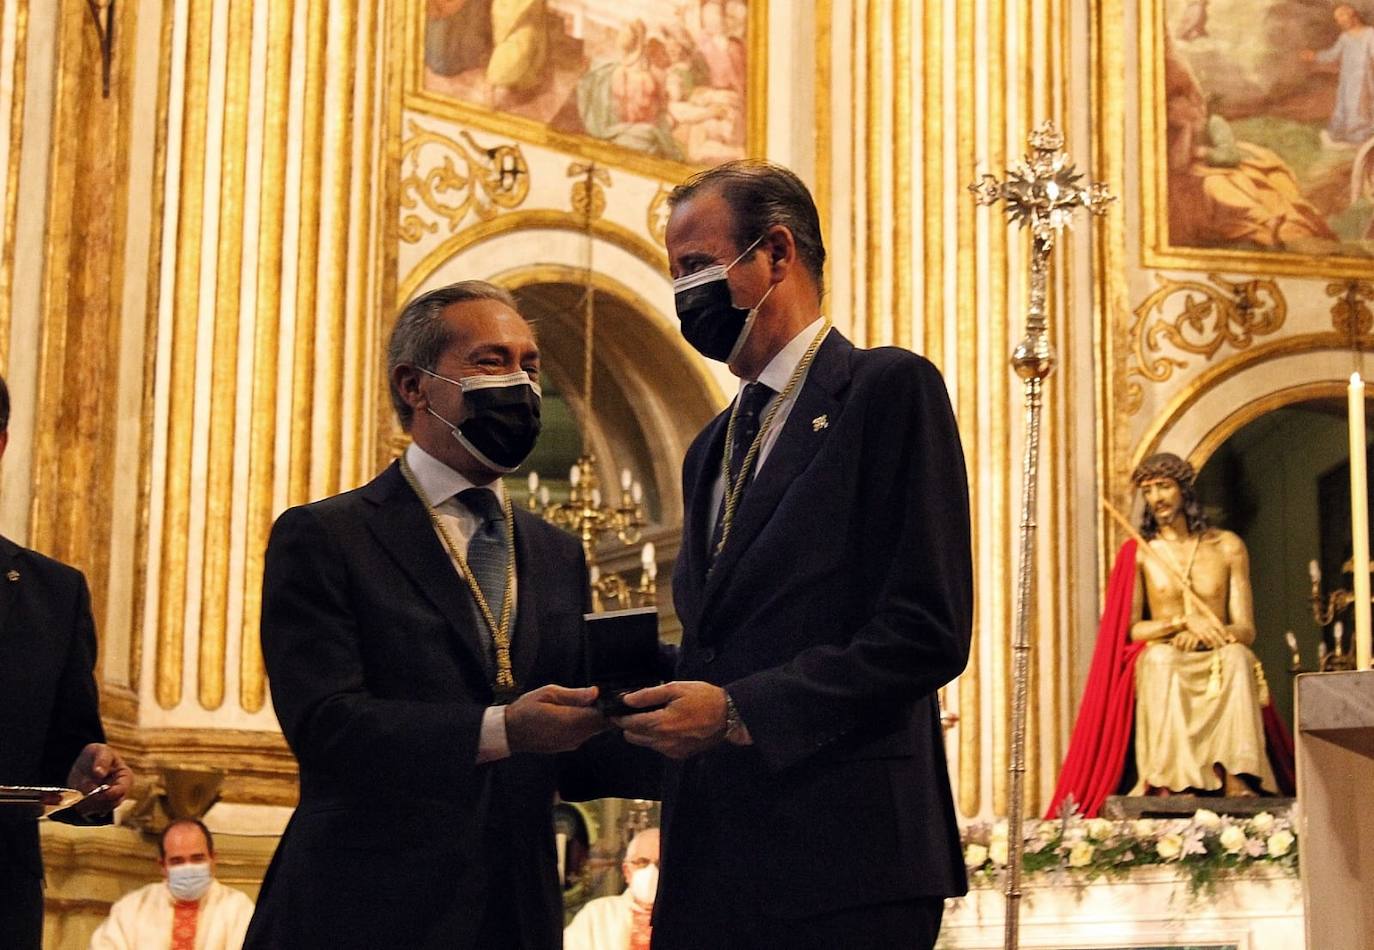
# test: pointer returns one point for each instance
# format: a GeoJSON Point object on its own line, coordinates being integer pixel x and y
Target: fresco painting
{"type": "Point", "coordinates": [664, 78]}
{"type": "Point", "coordinates": [1269, 126]}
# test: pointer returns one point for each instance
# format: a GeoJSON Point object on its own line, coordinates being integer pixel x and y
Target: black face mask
{"type": "Point", "coordinates": [711, 322]}
{"type": "Point", "coordinates": [502, 421]}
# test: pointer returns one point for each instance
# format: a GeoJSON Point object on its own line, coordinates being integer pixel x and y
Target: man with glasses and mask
{"type": "Point", "coordinates": [824, 585]}
{"type": "Point", "coordinates": [621, 921]}
{"type": "Point", "coordinates": [424, 643]}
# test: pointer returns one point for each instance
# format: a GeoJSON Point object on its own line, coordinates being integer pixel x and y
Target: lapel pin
{"type": "Point", "coordinates": [12, 576]}
{"type": "Point", "coordinates": [820, 422]}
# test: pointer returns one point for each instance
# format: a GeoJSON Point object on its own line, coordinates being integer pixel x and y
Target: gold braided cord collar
{"type": "Point", "coordinates": [500, 631]}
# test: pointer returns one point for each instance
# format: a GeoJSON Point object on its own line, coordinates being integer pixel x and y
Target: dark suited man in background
{"type": "Point", "coordinates": [416, 632]}
{"type": "Point", "coordinates": [50, 732]}
{"type": "Point", "coordinates": [825, 590]}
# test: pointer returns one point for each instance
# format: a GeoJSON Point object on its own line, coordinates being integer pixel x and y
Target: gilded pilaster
{"type": "Point", "coordinates": [14, 41]}
{"type": "Point", "coordinates": [262, 438]}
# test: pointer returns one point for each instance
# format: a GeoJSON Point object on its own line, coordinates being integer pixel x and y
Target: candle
{"type": "Point", "coordinates": [625, 479]}
{"type": "Point", "coordinates": [534, 483]}
{"type": "Point", "coordinates": [595, 573]}
{"type": "Point", "coordinates": [646, 554]}
{"type": "Point", "coordinates": [543, 494]}
{"type": "Point", "coordinates": [1314, 571]}
{"type": "Point", "coordinates": [637, 492]}
{"type": "Point", "coordinates": [574, 475]}
{"type": "Point", "coordinates": [1359, 521]}
{"type": "Point", "coordinates": [596, 498]}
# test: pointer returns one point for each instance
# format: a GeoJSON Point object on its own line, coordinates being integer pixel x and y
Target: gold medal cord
{"type": "Point", "coordinates": [735, 488]}
{"type": "Point", "coordinates": [500, 631]}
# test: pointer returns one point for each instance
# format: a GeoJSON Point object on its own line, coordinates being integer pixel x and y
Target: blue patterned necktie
{"type": "Point", "coordinates": [487, 549]}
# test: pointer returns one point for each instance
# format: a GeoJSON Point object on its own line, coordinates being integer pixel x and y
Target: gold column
{"type": "Point", "coordinates": [266, 343]}
{"type": "Point", "coordinates": [903, 263]}
{"type": "Point", "coordinates": [185, 309]}
{"type": "Point", "coordinates": [219, 513]}
{"type": "Point", "coordinates": [73, 473]}
{"type": "Point", "coordinates": [967, 302]}
{"type": "Point", "coordinates": [307, 254]}
{"type": "Point", "coordinates": [19, 10]}
{"type": "Point", "coordinates": [933, 178]}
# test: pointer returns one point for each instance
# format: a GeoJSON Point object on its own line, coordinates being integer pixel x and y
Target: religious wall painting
{"type": "Point", "coordinates": [658, 86]}
{"type": "Point", "coordinates": [1258, 135]}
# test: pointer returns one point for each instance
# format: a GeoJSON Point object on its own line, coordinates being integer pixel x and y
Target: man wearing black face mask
{"type": "Point", "coordinates": [824, 585]}
{"type": "Point", "coordinates": [424, 644]}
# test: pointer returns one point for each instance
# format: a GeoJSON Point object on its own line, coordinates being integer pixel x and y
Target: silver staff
{"type": "Point", "coordinates": [1041, 193]}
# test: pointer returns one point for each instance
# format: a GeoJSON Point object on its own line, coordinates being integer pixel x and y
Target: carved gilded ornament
{"type": "Point", "coordinates": [1350, 314]}
{"type": "Point", "coordinates": [1212, 316]}
{"type": "Point", "coordinates": [658, 214]}
{"type": "Point", "coordinates": [588, 195]}
{"type": "Point", "coordinates": [448, 180]}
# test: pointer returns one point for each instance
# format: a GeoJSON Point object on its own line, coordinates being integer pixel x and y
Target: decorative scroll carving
{"type": "Point", "coordinates": [448, 179]}
{"type": "Point", "coordinates": [1213, 315]}
{"type": "Point", "coordinates": [1350, 314]}
{"type": "Point", "coordinates": [588, 195]}
{"type": "Point", "coordinates": [657, 222]}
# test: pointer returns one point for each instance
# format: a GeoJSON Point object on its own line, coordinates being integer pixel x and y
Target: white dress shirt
{"type": "Point", "coordinates": [775, 376]}
{"type": "Point", "coordinates": [441, 486]}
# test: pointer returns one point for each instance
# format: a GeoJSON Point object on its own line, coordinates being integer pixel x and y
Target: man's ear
{"type": "Point", "coordinates": [781, 248]}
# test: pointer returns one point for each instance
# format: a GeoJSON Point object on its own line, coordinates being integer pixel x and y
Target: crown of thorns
{"type": "Point", "coordinates": [1164, 465]}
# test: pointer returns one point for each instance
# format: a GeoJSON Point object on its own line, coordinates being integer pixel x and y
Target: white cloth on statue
{"type": "Point", "coordinates": [143, 920]}
{"type": "Point", "coordinates": [602, 924]}
{"type": "Point", "coordinates": [1180, 731]}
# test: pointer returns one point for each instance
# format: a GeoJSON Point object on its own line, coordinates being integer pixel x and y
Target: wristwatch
{"type": "Point", "coordinates": [733, 723]}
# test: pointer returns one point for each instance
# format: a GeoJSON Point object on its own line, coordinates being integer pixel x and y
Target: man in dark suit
{"type": "Point", "coordinates": [50, 732]}
{"type": "Point", "coordinates": [416, 631]}
{"type": "Point", "coordinates": [825, 590]}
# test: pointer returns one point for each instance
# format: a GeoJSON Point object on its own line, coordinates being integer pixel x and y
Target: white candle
{"type": "Point", "coordinates": [574, 476]}
{"type": "Point", "coordinates": [596, 498]}
{"type": "Point", "coordinates": [637, 492]}
{"type": "Point", "coordinates": [595, 573]}
{"type": "Point", "coordinates": [625, 479]}
{"type": "Point", "coordinates": [543, 494]}
{"type": "Point", "coordinates": [1359, 522]}
{"type": "Point", "coordinates": [646, 554]}
{"type": "Point", "coordinates": [534, 482]}
{"type": "Point", "coordinates": [1314, 571]}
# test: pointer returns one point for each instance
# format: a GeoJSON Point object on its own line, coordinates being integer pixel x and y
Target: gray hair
{"type": "Point", "coordinates": [761, 195]}
{"type": "Point", "coordinates": [420, 335]}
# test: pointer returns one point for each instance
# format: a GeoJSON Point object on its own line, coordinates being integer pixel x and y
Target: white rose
{"type": "Point", "coordinates": [1144, 827]}
{"type": "Point", "coordinates": [997, 851]}
{"type": "Point", "coordinates": [1233, 839]}
{"type": "Point", "coordinates": [1169, 847]}
{"type": "Point", "coordinates": [1263, 822]}
{"type": "Point", "coordinates": [1280, 842]}
{"type": "Point", "coordinates": [975, 856]}
{"type": "Point", "coordinates": [1100, 829]}
{"type": "Point", "coordinates": [999, 831]}
{"type": "Point", "coordinates": [1081, 854]}
{"type": "Point", "coordinates": [1207, 820]}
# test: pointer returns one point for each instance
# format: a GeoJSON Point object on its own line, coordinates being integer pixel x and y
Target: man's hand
{"type": "Point", "coordinates": [553, 719]}
{"type": "Point", "coordinates": [692, 721]}
{"type": "Point", "coordinates": [98, 765]}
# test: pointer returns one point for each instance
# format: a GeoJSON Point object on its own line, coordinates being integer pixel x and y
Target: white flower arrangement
{"type": "Point", "coordinates": [1201, 848]}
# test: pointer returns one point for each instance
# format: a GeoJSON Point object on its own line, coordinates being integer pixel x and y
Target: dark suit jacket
{"type": "Point", "coordinates": [49, 707]}
{"type": "Point", "coordinates": [379, 681]}
{"type": "Point", "coordinates": [841, 601]}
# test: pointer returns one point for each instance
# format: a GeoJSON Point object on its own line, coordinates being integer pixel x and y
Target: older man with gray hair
{"type": "Point", "coordinates": [424, 641]}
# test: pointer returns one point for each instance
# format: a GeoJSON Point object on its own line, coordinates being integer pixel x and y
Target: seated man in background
{"type": "Point", "coordinates": [621, 921]}
{"type": "Point", "coordinates": [187, 910]}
